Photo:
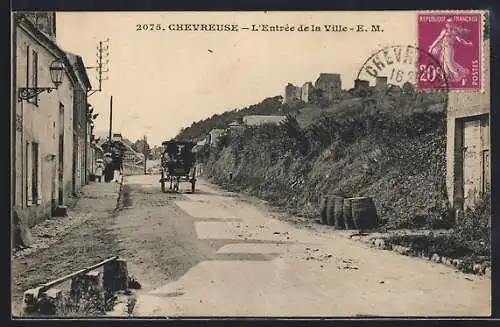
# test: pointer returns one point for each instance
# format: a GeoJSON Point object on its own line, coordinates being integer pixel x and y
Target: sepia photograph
{"type": "Point", "coordinates": [314, 164]}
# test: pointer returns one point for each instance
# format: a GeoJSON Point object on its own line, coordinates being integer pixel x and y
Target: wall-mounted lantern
{"type": "Point", "coordinates": [56, 75]}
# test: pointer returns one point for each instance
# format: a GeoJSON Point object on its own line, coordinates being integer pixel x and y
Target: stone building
{"type": "Point", "coordinates": [42, 140]}
{"type": "Point", "coordinates": [81, 123]}
{"type": "Point", "coordinates": [381, 83]}
{"type": "Point", "coordinates": [292, 93]}
{"type": "Point", "coordinates": [360, 83]}
{"type": "Point", "coordinates": [307, 92]}
{"type": "Point", "coordinates": [331, 85]}
{"type": "Point", "coordinates": [214, 136]}
{"type": "Point", "coordinates": [468, 142]}
{"type": "Point", "coordinates": [259, 120]}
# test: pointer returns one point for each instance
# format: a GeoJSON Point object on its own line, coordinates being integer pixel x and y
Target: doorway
{"type": "Point", "coordinates": [475, 159]}
{"type": "Point", "coordinates": [60, 198]}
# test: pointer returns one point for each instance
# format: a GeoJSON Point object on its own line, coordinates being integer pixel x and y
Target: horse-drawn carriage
{"type": "Point", "coordinates": [178, 164]}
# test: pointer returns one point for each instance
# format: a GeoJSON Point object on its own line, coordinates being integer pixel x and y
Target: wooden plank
{"type": "Point", "coordinates": [50, 284]}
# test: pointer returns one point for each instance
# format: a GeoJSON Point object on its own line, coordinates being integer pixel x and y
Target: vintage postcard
{"type": "Point", "coordinates": [260, 164]}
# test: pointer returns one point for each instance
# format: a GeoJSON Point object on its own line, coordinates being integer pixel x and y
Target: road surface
{"type": "Point", "coordinates": [215, 254]}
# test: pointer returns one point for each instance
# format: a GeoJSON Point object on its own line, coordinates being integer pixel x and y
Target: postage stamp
{"type": "Point", "coordinates": [454, 40]}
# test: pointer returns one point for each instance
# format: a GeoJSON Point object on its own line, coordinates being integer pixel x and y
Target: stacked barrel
{"type": "Point", "coordinates": [348, 213]}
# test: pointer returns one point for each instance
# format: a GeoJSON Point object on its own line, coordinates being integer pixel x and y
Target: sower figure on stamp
{"type": "Point", "coordinates": [443, 50]}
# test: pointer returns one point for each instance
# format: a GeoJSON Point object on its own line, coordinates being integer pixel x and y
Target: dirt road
{"type": "Point", "coordinates": [212, 253]}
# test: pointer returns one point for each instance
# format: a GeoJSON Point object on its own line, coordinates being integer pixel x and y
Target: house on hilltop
{"type": "Point", "coordinates": [307, 92]}
{"type": "Point", "coordinates": [258, 120]}
{"type": "Point", "coordinates": [292, 93]}
{"type": "Point", "coordinates": [330, 85]}
{"type": "Point", "coordinates": [214, 136]}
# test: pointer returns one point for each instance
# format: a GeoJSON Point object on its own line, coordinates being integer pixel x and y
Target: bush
{"type": "Point", "coordinates": [473, 226]}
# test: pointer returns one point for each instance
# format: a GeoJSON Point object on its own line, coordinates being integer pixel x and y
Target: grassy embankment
{"type": "Point", "coordinates": [394, 154]}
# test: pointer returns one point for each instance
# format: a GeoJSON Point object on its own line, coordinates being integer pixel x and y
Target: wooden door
{"type": "Point", "coordinates": [475, 159]}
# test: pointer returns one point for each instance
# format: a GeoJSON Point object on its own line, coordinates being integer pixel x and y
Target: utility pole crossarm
{"type": "Point", "coordinates": [102, 53]}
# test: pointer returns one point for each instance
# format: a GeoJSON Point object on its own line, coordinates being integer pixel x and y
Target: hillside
{"type": "Point", "coordinates": [399, 160]}
{"type": "Point", "coordinates": [269, 106]}
{"type": "Point", "coordinates": [394, 152]}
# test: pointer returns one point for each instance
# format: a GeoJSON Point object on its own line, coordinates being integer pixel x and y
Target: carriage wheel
{"type": "Point", "coordinates": [193, 180]}
{"type": "Point", "coordinates": [176, 184]}
{"type": "Point", "coordinates": [163, 188]}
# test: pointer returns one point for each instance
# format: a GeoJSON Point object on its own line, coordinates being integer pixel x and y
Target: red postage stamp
{"type": "Point", "coordinates": [452, 43]}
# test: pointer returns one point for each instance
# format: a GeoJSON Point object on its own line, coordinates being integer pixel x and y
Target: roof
{"type": "Point", "coordinates": [261, 119]}
{"type": "Point", "coordinates": [189, 143]}
{"type": "Point", "coordinates": [77, 63]}
{"type": "Point", "coordinates": [334, 75]}
{"type": "Point", "coordinates": [45, 41]}
{"type": "Point", "coordinates": [29, 27]}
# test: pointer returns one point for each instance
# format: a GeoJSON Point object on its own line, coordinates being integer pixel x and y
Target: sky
{"type": "Point", "coordinates": [162, 81]}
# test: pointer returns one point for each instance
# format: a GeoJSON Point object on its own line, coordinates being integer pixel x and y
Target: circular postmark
{"type": "Point", "coordinates": [391, 77]}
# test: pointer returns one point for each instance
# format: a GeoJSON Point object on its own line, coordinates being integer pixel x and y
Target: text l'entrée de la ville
{"type": "Point", "coordinates": [357, 28]}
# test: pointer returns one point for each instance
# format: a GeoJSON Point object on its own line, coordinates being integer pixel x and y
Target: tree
{"type": "Point", "coordinates": [408, 88]}
{"type": "Point", "coordinates": [139, 146]}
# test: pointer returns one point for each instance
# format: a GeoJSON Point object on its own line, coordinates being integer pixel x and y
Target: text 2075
{"type": "Point", "coordinates": [149, 27]}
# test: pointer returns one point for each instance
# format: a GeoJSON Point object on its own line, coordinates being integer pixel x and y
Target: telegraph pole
{"type": "Point", "coordinates": [110, 118]}
{"type": "Point", "coordinates": [101, 64]}
{"type": "Point", "coordinates": [145, 150]}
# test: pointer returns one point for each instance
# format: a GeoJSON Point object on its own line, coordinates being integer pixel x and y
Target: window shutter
{"type": "Point", "coordinates": [29, 172]}
{"type": "Point", "coordinates": [39, 177]}
{"type": "Point", "coordinates": [28, 65]}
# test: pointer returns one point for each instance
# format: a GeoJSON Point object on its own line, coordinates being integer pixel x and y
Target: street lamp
{"type": "Point", "coordinates": [56, 75]}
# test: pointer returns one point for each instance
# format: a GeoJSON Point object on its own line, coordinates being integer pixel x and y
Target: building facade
{"type": "Point", "coordinates": [81, 121]}
{"type": "Point", "coordinates": [292, 93]}
{"type": "Point", "coordinates": [259, 120]}
{"type": "Point", "coordinates": [307, 92]}
{"type": "Point", "coordinates": [214, 136]}
{"type": "Point", "coordinates": [43, 138]}
{"type": "Point", "coordinates": [468, 143]}
{"type": "Point", "coordinates": [331, 86]}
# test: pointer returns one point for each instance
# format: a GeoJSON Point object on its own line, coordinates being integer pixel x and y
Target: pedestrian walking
{"type": "Point", "coordinates": [99, 170]}
{"type": "Point", "coordinates": [108, 167]}
{"type": "Point", "coordinates": [117, 166]}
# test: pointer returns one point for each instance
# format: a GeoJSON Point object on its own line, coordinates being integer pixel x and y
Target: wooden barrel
{"type": "Point", "coordinates": [330, 210]}
{"type": "Point", "coordinates": [364, 213]}
{"type": "Point", "coordinates": [338, 212]}
{"type": "Point", "coordinates": [347, 212]}
{"type": "Point", "coordinates": [322, 209]}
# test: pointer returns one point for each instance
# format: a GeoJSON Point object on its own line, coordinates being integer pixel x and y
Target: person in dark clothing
{"type": "Point", "coordinates": [117, 165]}
{"type": "Point", "coordinates": [108, 168]}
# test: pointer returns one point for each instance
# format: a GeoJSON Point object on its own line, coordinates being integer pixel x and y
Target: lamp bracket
{"type": "Point", "coordinates": [26, 93]}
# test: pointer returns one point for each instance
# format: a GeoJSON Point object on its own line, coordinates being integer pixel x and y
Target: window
{"type": "Point", "coordinates": [32, 71]}
{"type": "Point", "coordinates": [29, 194]}
{"type": "Point", "coordinates": [33, 174]}
{"type": "Point", "coordinates": [34, 171]}
{"type": "Point", "coordinates": [34, 74]}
